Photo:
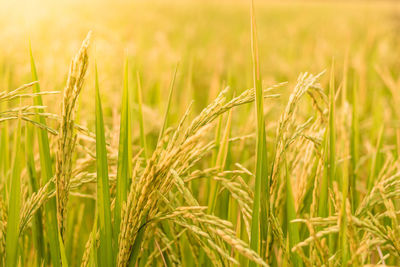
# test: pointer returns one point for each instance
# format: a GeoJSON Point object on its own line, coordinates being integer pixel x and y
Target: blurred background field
{"type": "Point", "coordinates": [209, 39]}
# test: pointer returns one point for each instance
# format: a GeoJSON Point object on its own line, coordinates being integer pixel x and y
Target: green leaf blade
{"type": "Point", "coordinates": [293, 228]}
{"type": "Point", "coordinates": [14, 205]}
{"type": "Point", "coordinates": [124, 156]}
{"type": "Point", "coordinates": [143, 141]}
{"type": "Point", "coordinates": [47, 174]}
{"type": "Point", "coordinates": [103, 190]}
{"type": "Point", "coordinates": [259, 221]}
{"type": "Point", "coordinates": [37, 226]}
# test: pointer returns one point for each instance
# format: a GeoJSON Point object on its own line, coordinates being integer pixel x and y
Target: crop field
{"type": "Point", "coordinates": [199, 133]}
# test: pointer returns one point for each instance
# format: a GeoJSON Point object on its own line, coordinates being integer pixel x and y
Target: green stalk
{"type": "Point", "coordinates": [220, 163]}
{"type": "Point", "coordinates": [293, 228]}
{"type": "Point", "coordinates": [354, 146]}
{"type": "Point", "coordinates": [14, 204]}
{"type": "Point", "coordinates": [137, 244]}
{"type": "Point", "coordinates": [64, 261]}
{"type": "Point", "coordinates": [323, 194]}
{"type": "Point", "coordinates": [171, 90]}
{"type": "Point", "coordinates": [374, 163]}
{"type": "Point", "coordinates": [214, 156]}
{"type": "Point", "coordinates": [50, 208]}
{"type": "Point", "coordinates": [124, 167]}
{"type": "Point", "coordinates": [343, 219]}
{"type": "Point", "coordinates": [93, 247]}
{"type": "Point", "coordinates": [332, 144]}
{"type": "Point", "coordinates": [103, 190]}
{"type": "Point", "coordinates": [329, 151]}
{"type": "Point", "coordinates": [143, 141]}
{"type": "Point", "coordinates": [343, 245]}
{"type": "Point", "coordinates": [217, 141]}
{"type": "Point", "coordinates": [332, 127]}
{"type": "Point", "coordinates": [4, 149]}
{"type": "Point", "coordinates": [37, 226]}
{"type": "Point", "coordinates": [261, 191]}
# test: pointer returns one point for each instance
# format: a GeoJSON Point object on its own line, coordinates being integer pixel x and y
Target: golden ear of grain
{"type": "Point", "coordinates": [66, 136]}
{"type": "Point", "coordinates": [185, 147]}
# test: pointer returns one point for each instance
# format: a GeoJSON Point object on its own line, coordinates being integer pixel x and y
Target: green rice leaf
{"type": "Point", "coordinates": [259, 224]}
{"type": "Point", "coordinates": [14, 204]}
{"type": "Point", "coordinates": [103, 190]}
{"type": "Point", "coordinates": [47, 174]}
{"type": "Point", "coordinates": [124, 167]}
{"type": "Point", "coordinates": [220, 163]}
{"type": "Point", "coordinates": [293, 228]}
{"type": "Point", "coordinates": [171, 90]}
{"type": "Point", "coordinates": [374, 163]}
{"type": "Point", "coordinates": [37, 226]}
{"type": "Point", "coordinates": [64, 261]}
{"type": "Point", "coordinates": [143, 141]}
{"type": "Point", "coordinates": [332, 145]}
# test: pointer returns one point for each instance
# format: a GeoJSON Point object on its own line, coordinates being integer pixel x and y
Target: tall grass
{"type": "Point", "coordinates": [128, 174]}
{"type": "Point", "coordinates": [46, 173]}
{"type": "Point", "coordinates": [124, 156]}
{"type": "Point", "coordinates": [14, 205]}
{"type": "Point", "coordinates": [259, 220]}
{"type": "Point", "coordinates": [103, 190]}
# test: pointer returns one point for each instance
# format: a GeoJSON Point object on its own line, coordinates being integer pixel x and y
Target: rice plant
{"type": "Point", "coordinates": [203, 163]}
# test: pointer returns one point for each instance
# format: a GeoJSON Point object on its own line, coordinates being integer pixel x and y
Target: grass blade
{"type": "Point", "coordinates": [37, 226]}
{"type": "Point", "coordinates": [171, 90]}
{"type": "Point", "coordinates": [343, 241]}
{"type": "Point", "coordinates": [354, 146]}
{"type": "Point", "coordinates": [375, 161]}
{"type": "Point", "coordinates": [124, 156]}
{"type": "Point", "coordinates": [329, 151]}
{"type": "Point", "coordinates": [332, 127]}
{"type": "Point", "coordinates": [261, 190]}
{"type": "Point", "coordinates": [343, 245]}
{"type": "Point", "coordinates": [47, 174]}
{"type": "Point", "coordinates": [324, 183]}
{"type": "Point", "coordinates": [93, 248]}
{"type": "Point", "coordinates": [143, 142]}
{"type": "Point", "coordinates": [220, 163]}
{"type": "Point", "coordinates": [4, 147]}
{"type": "Point", "coordinates": [137, 244]}
{"type": "Point", "coordinates": [14, 204]}
{"type": "Point", "coordinates": [64, 261]}
{"type": "Point", "coordinates": [293, 229]}
{"type": "Point", "coordinates": [332, 145]}
{"type": "Point", "coordinates": [103, 190]}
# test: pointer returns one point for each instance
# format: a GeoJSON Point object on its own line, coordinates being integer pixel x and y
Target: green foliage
{"type": "Point", "coordinates": [14, 204]}
{"type": "Point", "coordinates": [46, 174]}
{"type": "Point", "coordinates": [105, 253]}
{"type": "Point", "coordinates": [156, 181]}
{"type": "Point", "coordinates": [124, 156]}
{"type": "Point", "coordinates": [259, 220]}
